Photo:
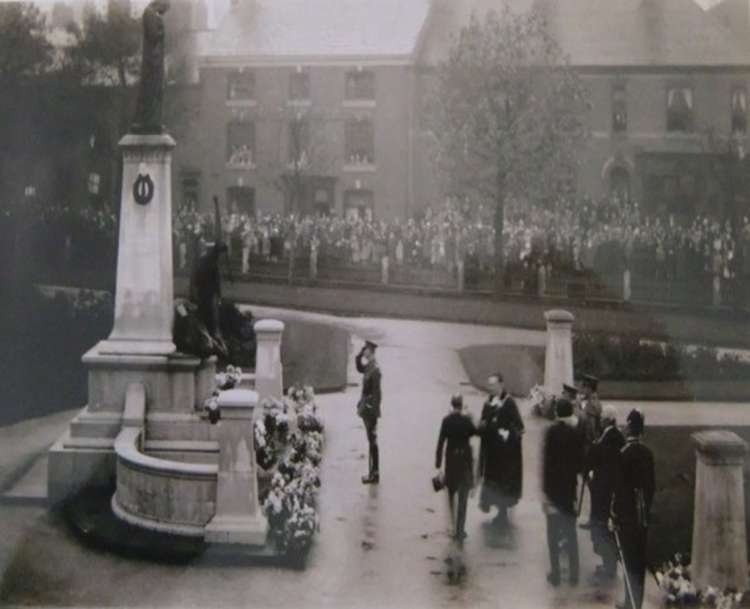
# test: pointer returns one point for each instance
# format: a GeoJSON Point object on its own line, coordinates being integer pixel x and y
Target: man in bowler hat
{"type": "Point", "coordinates": [631, 507]}
{"type": "Point", "coordinates": [368, 407]}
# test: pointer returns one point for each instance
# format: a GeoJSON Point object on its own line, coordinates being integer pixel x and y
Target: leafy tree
{"type": "Point", "coordinates": [24, 49]}
{"type": "Point", "coordinates": [507, 113]}
{"type": "Point", "coordinates": [105, 61]}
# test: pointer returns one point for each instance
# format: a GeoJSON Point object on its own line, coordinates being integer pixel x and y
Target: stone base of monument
{"type": "Point", "coordinates": [175, 386]}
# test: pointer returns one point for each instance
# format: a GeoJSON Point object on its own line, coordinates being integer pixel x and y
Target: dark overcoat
{"type": "Point", "coordinates": [562, 462]}
{"type": "Point", "coordinates": [603, 462]}
{"type": "Point", "coordinates": [455, 434]}
{"type": "Point", "coordinates": [635, 485]}
{"type": "Point", "coordinates": [371, 394]}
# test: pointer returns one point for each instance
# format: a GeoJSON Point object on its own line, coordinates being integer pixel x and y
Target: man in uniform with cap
{"type": "Point", "coordinates": [562, 463]}
{"type": "Point", "coordinates": [603, 461]}
{"type": "Point", "coordinates": [631, 507]}
{"type": "Point", "coordinates": [368, 407]}
{"type": "Point", "coordinates": [590, 414]}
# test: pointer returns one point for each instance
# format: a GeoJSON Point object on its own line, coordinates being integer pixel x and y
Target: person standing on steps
{"type": "Point", "coordinates": [500, 460]}
{"type": "Point", "coordinates": [368, 407]}
{"type": "Point", "coordinates": [456, 431]}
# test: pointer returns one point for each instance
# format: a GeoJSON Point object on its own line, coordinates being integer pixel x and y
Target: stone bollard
{"type": "Point", "coordinates": [717, 291]}
{"type": "Point", "coordinates": [558, 358]}
{"type": "Point", "coordinates": [269, 373]}
{"type": "Point", "coordinates": [626, 288]}
{"type": "Point", "coordinates": [719, 529]}
{"type": "Point", "coordinates": [313, 264]}
{"type": "Point", "coordinates": [238, 518]}
{"type": "Point", "coordinates": [384, 270]}
{"type": "Point", "coordinates": [461, 276]}
{"type": "Point", "coordinates": [541, 286]}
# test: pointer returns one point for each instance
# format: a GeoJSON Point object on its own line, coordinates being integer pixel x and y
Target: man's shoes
{"type": "Point", "coordinates": [553, 579]}
{"type": "Point", "coordinates": [371, 479]}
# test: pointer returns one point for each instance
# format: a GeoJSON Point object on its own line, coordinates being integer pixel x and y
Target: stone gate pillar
{"type": "Point", "coordinates": [719, 530]}
{"type": "Point", "coordinates": [558, 358]}
{"type": "Point", "coordinates": [269, 374]}
{"type": "Point", "coordinates": [238, 518]}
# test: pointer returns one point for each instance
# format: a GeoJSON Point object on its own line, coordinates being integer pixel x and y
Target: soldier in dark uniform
{"type": "Point", "coordinates": [205, 288]}
{"type": "Point", "coordinates": [631, 506]}
{"type": "Point", "coordinates": [455, 432]}
{"type": "Point", "coordinates": [603, 462]}
{"type": "Point", "coordinates": [563, 461]}
{"type": "Point", "coordinates": [368, 407]}
{"type": "Point", "coordinates": [591, 409]}
{"type": "Point", "coordinates": [500, 459]}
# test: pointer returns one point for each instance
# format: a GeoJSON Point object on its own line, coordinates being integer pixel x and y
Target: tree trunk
{"type": "Point", "coordinates": [498, 225]}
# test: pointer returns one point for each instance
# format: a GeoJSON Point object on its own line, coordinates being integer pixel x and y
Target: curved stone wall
{"type": "Point", "coordinates": [167, 496]}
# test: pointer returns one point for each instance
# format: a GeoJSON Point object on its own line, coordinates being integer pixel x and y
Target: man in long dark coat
{"type": "Point", "coordinates": [603, 462]}
{"type": "Point", "coordinates": [500, 460]}
{"type": "Point", "coordinates": [562, 463]}
{"type": "Point", "coordinates": [456, 430]}
{"type": "Point", "coordinates": [368, 407]}
{"type": "Point", "coordinates": [631, 506]}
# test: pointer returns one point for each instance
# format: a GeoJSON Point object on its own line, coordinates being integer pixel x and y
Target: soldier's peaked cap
{"type": "Point", "coordinates": [590, 380]}
{"type": "Point", "coordinates": [371, 345]}
{"type": "Point", "coordinates": [570, 389]}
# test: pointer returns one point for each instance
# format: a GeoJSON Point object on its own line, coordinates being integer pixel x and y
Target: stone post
{"type": "Point", "coordinates": [384, 270]}
{"type": "Point", "coordinates": [238, 518]}
{"type": "Point", "coordinates": [541, 287]}
{"type": "Point", "coordinates": [719, 529]}
{"type": "Point", "coordinates": [313, 263]}
{"type": "Point", "coordinates": [269, 374]}
{"type": "Point", "coordinates": [626, 288]}
{"type": "Point", "coordinates": [717, 290]}
{"type": "Point", "coordinates": [461, 276]}
{"type": "Point", "coordinates": [144, 294]}
{"type": "Point", "coordinates": [558, 359]}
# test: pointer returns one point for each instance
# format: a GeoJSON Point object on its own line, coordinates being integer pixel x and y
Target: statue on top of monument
{"type": "Point", "coordinates": [151, 92]}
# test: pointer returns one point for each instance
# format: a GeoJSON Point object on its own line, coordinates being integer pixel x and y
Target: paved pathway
{"type": "Point", "coordinates": [379, 546]}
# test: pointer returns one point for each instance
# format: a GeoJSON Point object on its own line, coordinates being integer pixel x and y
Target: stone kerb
{"type": "Point", "coordinates": [719, 529]}
{"type": "Point", "coordinates": [558, 359]}
{"type": "Point", "coordinates": [238, 519]}
{"type": "Point", "coordinates": [269, 374]}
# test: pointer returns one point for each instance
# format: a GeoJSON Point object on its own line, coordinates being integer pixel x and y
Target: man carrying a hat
{"type": "Point", "coordinates": [631, 507]}
{"type": "Point", "coordinates": [368, 407]}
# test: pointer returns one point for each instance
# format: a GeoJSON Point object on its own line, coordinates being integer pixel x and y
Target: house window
{"type": "Point", "coordinates": [240, 86]}
{"type": "Point", "coordinates": [360, 142]}
{"type": "Point", "coordinates": [94, 183]}
{"type": "Point", "coordinates": [680, 109]}
{"type": "Point", "coordinates": [619, 184]}
{"type": "Point", "coordinates": [299, 86]}
{"type": "Point", "coordinates": [190, 192]}
{"type": "Point", "coordinates": [360, 85]}
{"type": "Point", "coordinates": [299, 142]}
{"type": "Point", "coordinates": [358, 204]}
{"type": "Point", "coordinates": [619, 110]}
{"type": "Point", "coordinates": [241, 144]}
{"type": "Point", "coordinates": [29, 191]}
{"type": "Point", "coordinates": [241, 199]}
{"type": "Point", "coordinates": [739, 110]}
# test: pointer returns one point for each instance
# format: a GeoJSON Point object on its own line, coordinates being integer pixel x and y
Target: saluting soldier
{"type": "Point", "coordinates": [500, 460]}
{"type": "Point", "coordinates": [368, 407]}
{"type": "Point", "coordinates": [603, 462]}
{"type": "Point", "coordinates": [456, 431]}
{"type": "Point", "coordinates": [631, 507]}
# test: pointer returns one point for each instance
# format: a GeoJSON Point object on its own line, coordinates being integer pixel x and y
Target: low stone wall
{"type": "Point", "coordinates": [166, 496]}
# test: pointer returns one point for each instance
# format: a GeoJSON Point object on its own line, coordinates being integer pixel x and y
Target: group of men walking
{"type": "Point", "coordinates": [582, 446]}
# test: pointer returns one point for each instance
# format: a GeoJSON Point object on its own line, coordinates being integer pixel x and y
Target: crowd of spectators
{"type": "Point", "coordinates": [567, 237]}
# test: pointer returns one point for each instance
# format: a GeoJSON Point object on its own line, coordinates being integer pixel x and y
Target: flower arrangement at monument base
{"type": "Point", "coordinates": [542, 402]}
{"type": "Point", "coordinates": [676, 584]}
{"type": "Point", "coordinates": [230, 378]}
{"type": "Point", "coordinates": [289, 446]}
